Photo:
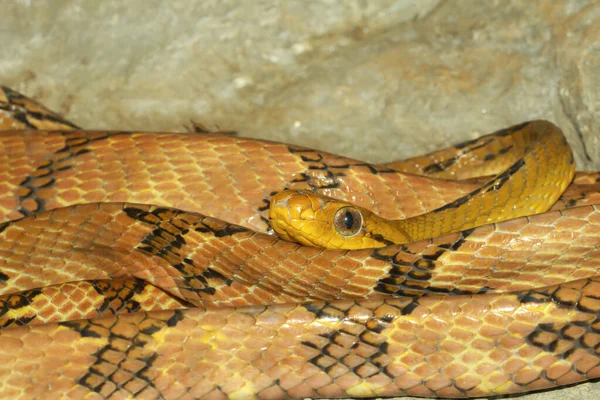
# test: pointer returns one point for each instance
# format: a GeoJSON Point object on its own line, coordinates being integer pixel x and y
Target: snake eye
{"type": "Point", "coordinates": [348, 221]}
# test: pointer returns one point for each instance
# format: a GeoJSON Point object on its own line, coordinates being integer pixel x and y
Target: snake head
{"type": "Point", "coordinates": [320, 221]}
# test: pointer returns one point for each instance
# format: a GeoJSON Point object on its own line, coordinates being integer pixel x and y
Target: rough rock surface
{"type": "Point", "coordinates": [377, 81]}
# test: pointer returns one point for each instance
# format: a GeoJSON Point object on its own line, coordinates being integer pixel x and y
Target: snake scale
{"type": "Point", "coordinates": [120, 277]}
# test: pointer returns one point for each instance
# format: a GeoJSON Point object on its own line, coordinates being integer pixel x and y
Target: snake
{"type": "Point", "coordinates": [525, 188]}
{"type": "Point", "coordinates": [142, 264]}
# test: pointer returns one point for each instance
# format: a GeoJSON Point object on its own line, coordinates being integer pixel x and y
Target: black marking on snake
{"type": "Point", "coordinates": [3, 277]}
{"type": "Point", "coordinates": [163, 239]}
{"type": "Point", "coordinates": [16, 108]}
{"type": "Point", "coordinates": [21, 321]}
{"type": "Point", "coordinates": [439, 166]}
{"type": "Point", "coordinates": [108, 374]}
{"type": "Point", "coordinates": [407, 310]}
{"type": "Point", "coordinates": [50, 183]}
{"type": "Point", "coordinates": [151, 329]}
{"type": "Point", "coordinates": [83, 327]}
{"type": "Point", "coordinates": [442, 165]}
{"type": "Point", "coordinates": [317, 167]}
{"type": "Point", "coordinates": [485, 140]}
{"type": "Point", "coordinates": [341, 348]}
{"type": "Point", "coordinates": [510, 130]}
{"type": "Point", "coordinates": [411, 272]}
{"type": "Point", "coordinates": [228, 230]}
{"type": "Point", "coordinates": [500, 180]}
{"type": "Point", "coordinates": [463, 238]}
{"type": "Point", "coordinates": [457, 203]}
{"type": "Point", "coordinates": [12, 95]}
{"type": "Point", "coordinates": [379, 238]}
{"type": "Point", "coordinates": [495, 184]}
{"type": "Point", "coordinates": [434, 256]}
{"type": "Point", "coordinates": [317, 159]}
{"type": "Point", "coordinates": [14, 302]}
{"type": "Point", "coordinates": [299, 150]}
{"type": "Point", "coordinates": [466, 143]}
{"type": "Point", "coordinates": [580, 334]}
{"type": "Point", "coordinates": [309, 344]}
{"type": "Point", "coordinates": [375, 170]}
{"type": "Point", "coordinates": [328, 181]}
{"type": "Point", "coordinates": [3, 226]}
{"type": "Point", "coordinates": [492, 156]}
{"type": "Point", "coordinates": [327, 172]}
{"type": "Point", "coordinates": [74, 146]}
{"type": "Point", "coordinates": [261, 209]}
{"type": "Point", "coordinates": [506, 149]}
{"type": "Point", "coordinates": [168, 238]}
{"type": "Point", "coordinates": [118, 297]}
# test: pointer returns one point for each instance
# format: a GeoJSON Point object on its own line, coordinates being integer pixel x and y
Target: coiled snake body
{"type": "Point", "coordinates": [105, 296]}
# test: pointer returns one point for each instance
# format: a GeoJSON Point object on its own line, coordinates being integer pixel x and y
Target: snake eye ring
{"type": "Point", "coordinates": [348, 221]}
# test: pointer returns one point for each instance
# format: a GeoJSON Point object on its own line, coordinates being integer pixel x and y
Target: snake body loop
{"type": "Point", "coordinates": [138, 265]}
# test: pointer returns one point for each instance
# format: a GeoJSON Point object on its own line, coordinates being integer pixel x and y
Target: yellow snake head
{"type": "Point", "coordinates": [320, 221]}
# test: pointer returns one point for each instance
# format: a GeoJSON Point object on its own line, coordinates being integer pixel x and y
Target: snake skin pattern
{"type": "Point", "coordinates": [103, 296]}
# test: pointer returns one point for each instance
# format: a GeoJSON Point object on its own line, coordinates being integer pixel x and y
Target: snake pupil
{"type": "Point", "coordinates": [348, 220]}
